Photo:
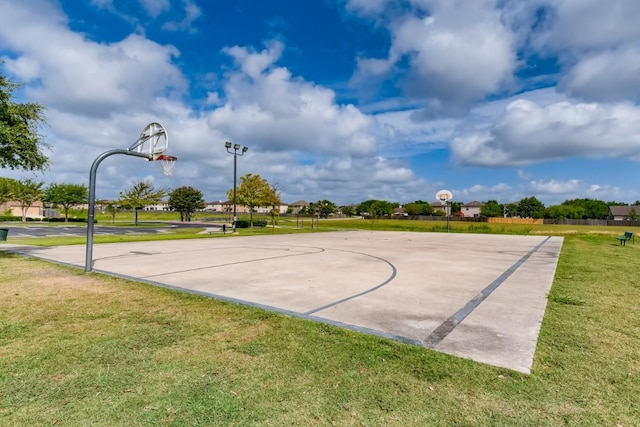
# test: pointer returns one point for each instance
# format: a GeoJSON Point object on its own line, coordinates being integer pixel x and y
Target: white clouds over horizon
{"type": "Point", "coordinates": [453, 69]}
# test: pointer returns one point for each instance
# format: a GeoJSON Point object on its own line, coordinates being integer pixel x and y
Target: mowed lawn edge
{"type": "Point", "coordinates": [80, 349]}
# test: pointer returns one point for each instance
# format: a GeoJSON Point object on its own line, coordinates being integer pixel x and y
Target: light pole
{"type": "Point", "coordinates": [235, 153]}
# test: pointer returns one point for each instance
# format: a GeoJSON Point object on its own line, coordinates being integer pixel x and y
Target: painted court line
{"type": "Point", "coordinates": [442, 331]}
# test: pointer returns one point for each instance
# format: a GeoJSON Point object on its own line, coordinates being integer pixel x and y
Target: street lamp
{"type": "Point", "coordinates": [235, 153]}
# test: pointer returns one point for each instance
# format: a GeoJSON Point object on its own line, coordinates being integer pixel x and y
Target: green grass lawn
{"type": "Point", "coordinates": [80, 349]}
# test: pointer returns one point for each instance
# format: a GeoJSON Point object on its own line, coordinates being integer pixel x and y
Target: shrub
{"type": "Point", "coordinates": [245, 223]}
{"type": "Point", "coordinates": [70, 220]}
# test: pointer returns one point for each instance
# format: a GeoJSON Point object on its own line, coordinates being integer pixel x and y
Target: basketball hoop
{"type": "Point", "coordinates": [444, 196]}
{"type": "Point", "coordinates": [167, 163]}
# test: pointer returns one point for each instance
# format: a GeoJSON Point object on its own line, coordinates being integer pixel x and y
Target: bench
{"type": "Point", "coordinates": [623, 239]}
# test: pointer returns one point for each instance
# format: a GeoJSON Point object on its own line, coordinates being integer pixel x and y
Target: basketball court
{"type": "Point", "coordinates": [476, 296]}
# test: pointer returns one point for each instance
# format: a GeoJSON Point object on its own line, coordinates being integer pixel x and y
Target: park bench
{"type": "Point", "coordinates": [627, 236]}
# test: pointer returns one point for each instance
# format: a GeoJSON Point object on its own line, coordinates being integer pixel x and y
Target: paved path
{"type": "Point", "coordinates": [476, 296]}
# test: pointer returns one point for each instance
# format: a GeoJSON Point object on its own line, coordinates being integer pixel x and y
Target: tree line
{"type": "Point", "coordinates": [27, 192]}
{"type": "Point", "coordinates": [531, 207]}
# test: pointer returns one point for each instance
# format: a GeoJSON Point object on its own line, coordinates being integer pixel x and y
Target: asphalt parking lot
{"type": "Point", "coordinates": [20, 231]}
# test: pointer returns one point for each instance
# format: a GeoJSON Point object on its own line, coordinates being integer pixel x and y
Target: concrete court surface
{"type": "Point", "coordinates": [472, 295]}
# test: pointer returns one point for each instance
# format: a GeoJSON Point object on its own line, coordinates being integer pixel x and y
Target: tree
{"type": "Point", "coordinates": [324, 208]}
{"type": "Point", "coordinates": [348, 210]}
{"type": "Point", "coordinates": [66, 195]}
{"type": "Point", "coordinates": [20, 143]}
{"type": "Point", "coordinates": [111, 208]}
{"type": "Point", "coordinates": [530, 207]}
{"type": "Point", "coordinates": [510, 210]}
{"type": "Point", "coordinates": [376, 208]}
{"type": "Point", "coordinates": [418, 208]}
{"type": "Point", "coordinates": [140, 195]}
{"type": "Point", "coordinates": [591, 209]}
{"type": "Point", "coordinates": [633, 215]}
{"type": "Point", "coordinates": [564, 212]}
{"type": "Point", "coordinates": [7, 186]}
{"type": "Point", "coordinates": [253, 191]}
{"type": "Point", "coordinates": [455, 207]}
{"type": "Point", "coordinates": [491, 209]}
{"type": "Point", "coordinates": [27, 192]}
{"type": "Point", "coordinates": [273, 200]}
{"type": "Point", "coordinates": [186, 200]}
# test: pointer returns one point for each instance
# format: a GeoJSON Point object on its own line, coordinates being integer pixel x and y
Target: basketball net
{"type": "Point", "coordinates": [167, 163]}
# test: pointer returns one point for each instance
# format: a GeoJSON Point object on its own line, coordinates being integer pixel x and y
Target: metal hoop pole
{"type": "Point", "coordinates": [88, 265]}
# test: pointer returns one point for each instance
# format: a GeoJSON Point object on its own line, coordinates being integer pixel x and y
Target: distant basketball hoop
{"type": "Point", "coordinates": [444, 196]}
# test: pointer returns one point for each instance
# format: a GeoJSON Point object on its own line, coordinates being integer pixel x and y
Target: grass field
{"type": "Point", "coordinates": [80, 349]}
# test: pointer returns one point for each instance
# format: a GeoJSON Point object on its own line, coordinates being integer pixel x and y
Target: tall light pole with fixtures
{"type": "Point", "coordinates": [235, 153]}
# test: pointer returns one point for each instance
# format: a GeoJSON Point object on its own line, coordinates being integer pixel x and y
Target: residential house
{"type": "Point", "coordinates": [437, 206]}
{"type": "Point", "coordinates": [219, 206]}
{"type": "Point", "coordinates": [282, 209]}
{"type": "Point", "coordinates": [471, 209]}
{"type": "Point", "coordinates": [15, 208]}
{"type": "Point", "coordinates": [399, 211]}
{"type": "Point", "coordinates": [162, 206]}
{"type": "Point", "coordinates": [296, 207]}
{"type": "Point", "coordinates": [621, 213]}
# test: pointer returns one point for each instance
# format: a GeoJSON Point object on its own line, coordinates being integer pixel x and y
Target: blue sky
{"type": "Point", "coordinates": [346, 100]}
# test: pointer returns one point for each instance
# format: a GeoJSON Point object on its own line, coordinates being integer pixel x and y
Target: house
{"type": "Point", "coordinates": [471, 209]}
{"type": "Point", "coordinates": [219, 206]}
{"type": "Point", "coordinates": [282, 209]}
{"type": "Point", "coordinates": [162, 206]}
{"type": "Point", "coordinates": [14, 208]}
{"type": "Point", "coordinates": [438, 206]}
{"type": "Point", "coordinates": [622, 213]}
{"type": "Point", "coordinates": [399, 211]}
{"type": "Point", "coordinates": [296, 207]}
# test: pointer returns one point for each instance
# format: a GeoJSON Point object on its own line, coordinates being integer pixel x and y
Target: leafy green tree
{"type": "Point", "coordinates": [510, 210]}
{"type": "Point", "coordinates": [564, 212]}
{"type": "Point", "coordinates": [455, 207]}
{"type": "Point", "coordinates": [140, 195]}
{"type": "Point", "coordinates": [491, 209]}
{"type": "Point", "coordinates": [272, 198]}
{"type": "Point", "coordinates": [412, 209]}
{"type": "Point", "coordinates": [66, 195]}
{"type": "Point", "coordinates": [27, 192]}
{"type": "Point", "coordinates": [633, 215]}
{"type": "Point", "coordinates": [253, 191]}
{"type": "Point", "coordinates": [530, 207]}
{"type": "Point", "coordinates": [380, 208]}
{"type": "Point", "coordinates": [418, 208]}
{"type": "Point", "coordinates": [274, 202]}
{"type": "Point", "coordinates": [376, 208]}
{"type": "Point", "coordinates": [111, 207]}
{"type": "Point", "coordinates": [7, 186]}
{"type": "Point", "coordinates": [324, 208]}
{"type": "Point", "coordinates": [348, 210]}
{"type": "Point", "coordinates": [186, 200]}
{"type": "Point", "coordinates": [21, 146]}
{"type": "Point", "coordinates": [591, 209]}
